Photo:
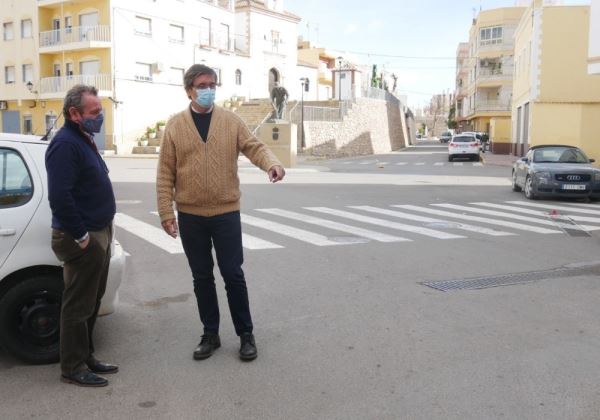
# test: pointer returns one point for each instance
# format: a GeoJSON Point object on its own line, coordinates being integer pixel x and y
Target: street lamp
{"type": "Point", "coordinates": [303, 81]}
{"type": "Point", "coordinates": [339, 60]}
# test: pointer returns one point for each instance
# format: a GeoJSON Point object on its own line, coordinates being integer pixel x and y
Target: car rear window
{"type": "Point", "coordinates": [464, 139]}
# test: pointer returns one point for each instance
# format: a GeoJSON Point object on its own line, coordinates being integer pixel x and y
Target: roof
{"type": "Point", "coordinates": [553, 145]}
{"type": "Point", "coordinates": [21, 138]}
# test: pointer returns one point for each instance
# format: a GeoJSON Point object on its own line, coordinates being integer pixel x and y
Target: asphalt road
{"type": "Point", "coordinates": [346, 329]}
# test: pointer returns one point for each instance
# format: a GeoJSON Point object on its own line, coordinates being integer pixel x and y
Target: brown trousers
{"type": "Point", "coordinates": [85, 273]}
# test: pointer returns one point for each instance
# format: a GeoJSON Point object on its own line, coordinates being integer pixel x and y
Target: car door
{"type": "Point", "coordinates": [19, 197]}
{"type": "Point", "coordinates": [523, 167]}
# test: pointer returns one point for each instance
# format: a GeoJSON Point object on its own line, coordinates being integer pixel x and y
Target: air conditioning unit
{"type": "Point", "coordinates": [158, 67]}
{"type": "Point", "coordinates": [3, 105]}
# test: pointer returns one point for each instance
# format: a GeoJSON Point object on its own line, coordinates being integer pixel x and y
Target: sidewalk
{"type": "Point", "coordinates": [490, 158]}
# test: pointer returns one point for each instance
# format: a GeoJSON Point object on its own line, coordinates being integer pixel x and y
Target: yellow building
{"type": "Point", "coordinates": [555, 99]}
{"type": "Point", "coordinates": [487, 104]}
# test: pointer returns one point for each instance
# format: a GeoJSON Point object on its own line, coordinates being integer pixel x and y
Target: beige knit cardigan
{"type": "Point", "coordinates": [202, 177]}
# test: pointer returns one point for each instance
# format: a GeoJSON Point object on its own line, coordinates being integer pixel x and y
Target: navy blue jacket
{"type": "Point", "coordinates": [79, 190]}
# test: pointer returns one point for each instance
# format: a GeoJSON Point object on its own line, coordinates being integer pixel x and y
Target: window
{"type": "Point", "coordinates": [69, 69]}
{"type": "Point", "coordinates": [27, 73]}
{"type": "Point", "coordinates": [218, 72]}
{"type": "Point", "coordinates": [143, 26]}
{"type": "Point", "coordinates": [27, 125]}
{"type": "Point", "coordinates": [224, 38]}
{"type": "Point", "coordinates": [176, 75]}
{"type": "Point", "coordinates": [176, 33]}
{"type": "Point", "coordinates": [205, 38]}
{"type": "Point", "coordinates": [9, 74]}
{"type": "Point", "coordinates": [238, 77]}
{"type": "Point", "coordinates": [275, 40]}
{"type": "Point", "coordinates": [490, 36]}
{"type": "Point", "coordinates": [15, 181]}
{"type": "Point", "coordinates": [8, 31]}
{"type": "Point", "coordinates": [26, 28]}
{"type": "Point", "coordinates": [143, 72]}
{"type": "Point", "coordinates": [68, 24]}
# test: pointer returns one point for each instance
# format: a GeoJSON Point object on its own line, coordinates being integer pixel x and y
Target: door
{"type": "Point", "coordinates": [88, 71]}
{"type": "Point", "coordinates": [11, 122]}
{"type": "Point", "coordinates": [17, 199]}
{"type": "Point", "coordinates": [88, 23]}
{"type": "Point", "coordinates": [55, 31]}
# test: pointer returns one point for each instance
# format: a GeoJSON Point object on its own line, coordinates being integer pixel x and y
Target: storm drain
{"type": "Point", "coordinates": [511, 279]}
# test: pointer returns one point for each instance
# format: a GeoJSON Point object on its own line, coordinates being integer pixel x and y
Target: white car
{"type": "Point", "coordinates": [464, 146]}
{"type": "Point", "coordinates": [31, 280]}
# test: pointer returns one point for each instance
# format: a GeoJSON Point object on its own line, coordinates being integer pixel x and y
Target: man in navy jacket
{"type": "Point", "coordinates": [83, 207]}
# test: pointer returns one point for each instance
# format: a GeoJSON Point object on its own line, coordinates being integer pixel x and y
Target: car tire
{"type": "Point", "coordinates": [529, 188]}
{"type": "Point", "coordinates": [450, 158]}
{"type": "Point", "coordinates": [30, 319]}
{"type": "Point", "coordinates": [477, 158]}
{"type": "Point", "coordinates": [515, 186]}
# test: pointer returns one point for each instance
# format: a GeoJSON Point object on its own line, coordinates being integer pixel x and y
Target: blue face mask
{"type": "Point", "coordinates": [92, 125]}
{"type": "Point", "coordinates": [205, 97]}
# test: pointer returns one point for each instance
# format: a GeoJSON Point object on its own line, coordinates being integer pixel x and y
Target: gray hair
{"type": "Point", "coordinates": [195, 71]}
{"type": "Point", "coordinates": [74, 98]}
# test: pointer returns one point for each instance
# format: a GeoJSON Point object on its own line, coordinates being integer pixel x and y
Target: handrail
{"type": "Point", "coordinates": [261, 123]}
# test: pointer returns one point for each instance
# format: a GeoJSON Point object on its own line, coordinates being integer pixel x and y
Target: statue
{"type": "Point", "coordinates": [279, 98]}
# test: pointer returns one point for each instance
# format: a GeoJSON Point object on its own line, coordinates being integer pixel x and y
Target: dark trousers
{"type": "Point", "coordinates": [85, 273]}
{"type": "Point", "coordinates": [198, 235]}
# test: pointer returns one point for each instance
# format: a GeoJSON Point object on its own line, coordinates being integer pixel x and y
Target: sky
{"type": "Point", "coordinates": [384, 32]}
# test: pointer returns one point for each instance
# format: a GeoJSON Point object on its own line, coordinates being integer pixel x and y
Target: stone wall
{"type": "Point", "coordinates": [372, 126]}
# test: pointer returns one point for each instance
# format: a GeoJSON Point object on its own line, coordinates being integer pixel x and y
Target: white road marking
{"type": "Point", "coordinates": [367, 162]}
{"type": "Point", "coordinates": [477, 164]}
{"type": "Point", "coordinates": [299, 234]}
{"type": "Point", "coordinates": [457, 164]}
{"type": "Point", "coordinates": [365, 233]}
{"type": "Point", "coordinates": [540, 213]}
{"type": "Point", "coordinates": [419, 163]}
{"type": "Point", "coordinates": [471, 218]}
{"type": "Point", "coordinates": [150, 233]}
{"type": "Point", "coordinates": [555, 207]}
{"type": "Point", "coordinates": [438, 164]}
{"type": "Point", "coordinates": [401, 163]}
{"type": "Point", "coordinates": [515, 216]}
{"type": "Point", "coordinates": [386, 223]}
{"type": "Point", "coordinates": [462, 226]}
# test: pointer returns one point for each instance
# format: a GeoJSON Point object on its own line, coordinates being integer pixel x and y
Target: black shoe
{"type": "Point", "coordinates": [97, 366]}
{"type": "Point", "coordinates": [207, 346]}
{"type": "Point", "coordinates": [248, 347]}
{"type": "Point", "coordinates": [84, 378]}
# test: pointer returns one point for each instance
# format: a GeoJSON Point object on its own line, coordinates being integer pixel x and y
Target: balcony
{"type": "Point", "coordinates": [55, 4]}
{"type": "Point", "coordinates": [75, 38]}
{"type": "Point", "coordinates": [57, 87]}
{"type": "Point", "coordinates": [492, 74]}
{"type": "Point", "coordinates": [492, 106]}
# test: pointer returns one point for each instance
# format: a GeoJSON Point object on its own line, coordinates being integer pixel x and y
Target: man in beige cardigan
{"type": "Point", "coordinates": [197, 169]}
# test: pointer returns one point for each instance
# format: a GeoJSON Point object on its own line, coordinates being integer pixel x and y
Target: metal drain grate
{"type": "Point", "coordinates": [511, 279]}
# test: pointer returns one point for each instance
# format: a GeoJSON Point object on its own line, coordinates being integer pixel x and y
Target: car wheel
{"type": "Point", "coordinates": [529, 188]}
{"type": "Point", "coordinates": [476, 158]}
{"type": "Point", "coordinates": [449, 158]}
{"type": "Point", "coordinates": [515, 186]}
{"type": "Point", "coordinates": [30, 319]}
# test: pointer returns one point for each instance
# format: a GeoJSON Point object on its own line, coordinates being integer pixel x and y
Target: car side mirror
{"type": "Point", "coordinates": [592, 160]}
{"type": "Point", "coordinates": [524, 159]}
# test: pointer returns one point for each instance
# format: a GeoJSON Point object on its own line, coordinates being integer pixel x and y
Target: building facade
{"type": "Point", "coordinates": [463, 62]}
{"type": "Point", "coordinates": [594, 39]}
{"type": "Point", "coordinates": [555, 99]}
{"type": "Point", "coordinates": [136, 53]}
{"type": "Point", "coordinates": [487, 104]}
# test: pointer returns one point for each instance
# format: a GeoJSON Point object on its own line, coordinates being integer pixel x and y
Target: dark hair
{"type": "Point", "coordinates": [195, 71]}
{"type": "Point", "coordinates": [74, 98]}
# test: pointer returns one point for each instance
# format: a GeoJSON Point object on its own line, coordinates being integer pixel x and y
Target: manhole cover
{"type": "Point", "coordinates": [511, 279]}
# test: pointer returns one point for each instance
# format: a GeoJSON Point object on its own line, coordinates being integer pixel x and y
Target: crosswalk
{"type": "Point", "coordinates": [438, 164]}
{"type": "Point", "coordinates": [277, 228]}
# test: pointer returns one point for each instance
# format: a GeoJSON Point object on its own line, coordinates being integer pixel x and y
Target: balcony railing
{"type": "Point", "coordinates": [59, 85]}
{"type": "Point", "coordinates": [495, 74]}
{"type": "Point", "coordinates": [492, 106]}
{"type": "Point", "coordinates": [57, 37]}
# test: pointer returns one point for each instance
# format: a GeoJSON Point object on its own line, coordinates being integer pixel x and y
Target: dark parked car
{"type": "Point", "coordinates": [556, 171]}
{"type": "Point", "coordinates": [445, 137]}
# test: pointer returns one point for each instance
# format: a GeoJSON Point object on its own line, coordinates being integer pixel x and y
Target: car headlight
{"type": "Point", "coordinates": [544, 177]}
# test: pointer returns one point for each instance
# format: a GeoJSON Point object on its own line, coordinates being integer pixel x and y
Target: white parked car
{"type": "Point", "coordinates": [464, 146]}
{"type": "Point", "coordinates": [31, 280]}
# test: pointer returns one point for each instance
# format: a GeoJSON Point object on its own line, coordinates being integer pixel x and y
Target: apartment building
{"type": "Point", "coordinates": [136, 53]}
{"type": "Point", "coordinates": [594, 39]}
{"type": "Point", "coordinates": [487, 104]}
{"type": "Point", "coordinates": [555, 99]}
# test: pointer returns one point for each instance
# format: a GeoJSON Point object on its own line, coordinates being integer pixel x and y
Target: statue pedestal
{"type": "Point", "coordinates": [281, 138]}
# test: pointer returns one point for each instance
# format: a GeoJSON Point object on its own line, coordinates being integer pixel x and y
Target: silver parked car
{"type": "Point", "coordinates": [556, 171]}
